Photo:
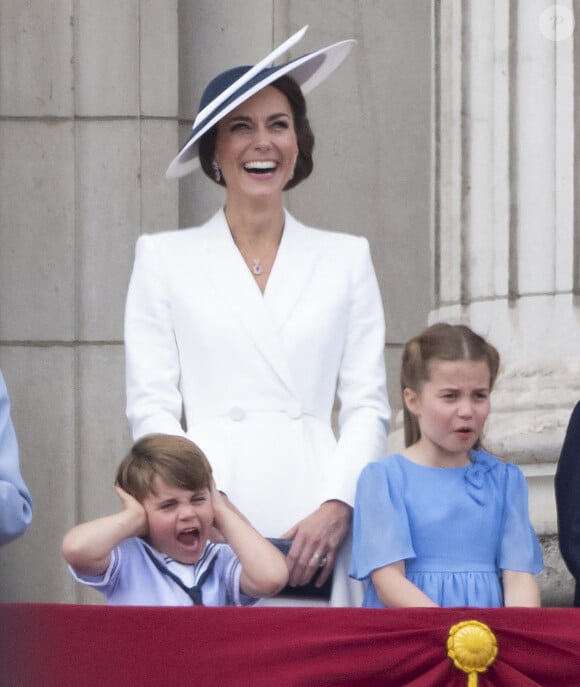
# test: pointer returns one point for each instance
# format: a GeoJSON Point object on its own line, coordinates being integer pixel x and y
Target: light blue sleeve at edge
{"type": "Point", "coordinates": [381, 533]}
{"type": "Point", "coordinates": [15, 499]}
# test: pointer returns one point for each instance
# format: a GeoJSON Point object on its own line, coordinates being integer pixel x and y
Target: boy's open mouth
{"type": "Point", "coordinates": [189, 537]}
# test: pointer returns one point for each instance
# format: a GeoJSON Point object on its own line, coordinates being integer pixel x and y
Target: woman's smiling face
{"type": "Point", "coordinates": [179, 520]}
{"type": "Point", "coordinates": [256, 145]}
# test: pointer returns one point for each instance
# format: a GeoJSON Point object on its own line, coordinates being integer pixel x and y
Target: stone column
{"type": "Point", "coordinates": [504, 246]}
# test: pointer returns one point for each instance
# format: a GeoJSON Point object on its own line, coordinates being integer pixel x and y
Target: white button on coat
{"type": "Point", "coordinates": [294, 411]}
{"type": "Point", "coordinates": [237, 414]}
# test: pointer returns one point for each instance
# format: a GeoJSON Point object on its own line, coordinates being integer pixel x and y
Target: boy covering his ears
{"type": "Point", "coordinates": [156, 551]}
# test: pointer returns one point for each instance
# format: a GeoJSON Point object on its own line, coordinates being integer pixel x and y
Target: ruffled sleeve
{"type": "Point", "coordinates": [381, 533]}
{"type": "Point", "coordinates": [519, 548]}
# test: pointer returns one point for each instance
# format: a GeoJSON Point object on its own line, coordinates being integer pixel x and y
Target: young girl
{"type": "Point", "coordinates": [444, 523]}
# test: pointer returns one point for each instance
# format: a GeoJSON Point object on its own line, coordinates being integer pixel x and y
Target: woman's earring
{"type": "Point", "coordinates": [217, 172]}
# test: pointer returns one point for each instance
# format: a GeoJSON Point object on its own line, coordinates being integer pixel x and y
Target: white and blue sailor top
{"type": "Point", "coordinates": [138, 575]}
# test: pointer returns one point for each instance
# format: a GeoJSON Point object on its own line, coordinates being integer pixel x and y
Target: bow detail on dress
{"type": "Point", "coordinates": [475, 475]}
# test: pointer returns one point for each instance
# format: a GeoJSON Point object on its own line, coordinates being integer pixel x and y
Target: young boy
{"type": "Point", "coordinates": [156, 551]}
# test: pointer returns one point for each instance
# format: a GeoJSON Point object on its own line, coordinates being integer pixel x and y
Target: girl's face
{"type": "Point", "coordinates": [179, 520]}
{"type": "Point", "coordinates": [256, 145]}
{"type": "Point", "coordinates": [451, 409]}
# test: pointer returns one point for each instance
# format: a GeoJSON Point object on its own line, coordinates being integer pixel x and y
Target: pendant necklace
{"type": "Point", "coordinates": [256, 267]}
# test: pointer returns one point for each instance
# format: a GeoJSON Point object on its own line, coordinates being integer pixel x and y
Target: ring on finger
{"type": "Point", "coordinates": [317, 558]}
{"type": "Point", "coordinates": [320, 559]}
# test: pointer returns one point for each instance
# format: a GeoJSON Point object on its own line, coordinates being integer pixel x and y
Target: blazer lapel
{"type": "Point", "coordinates": [231, 277]}
{"type": "Point", "coordinates": [292, 270]}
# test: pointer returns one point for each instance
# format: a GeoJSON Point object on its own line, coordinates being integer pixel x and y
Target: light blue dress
{"type": "Point", "coordinates": [456, 529]}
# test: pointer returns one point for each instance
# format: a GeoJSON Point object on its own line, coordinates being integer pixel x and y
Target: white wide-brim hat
{"type": "Point", "coordinates": [234, 86]}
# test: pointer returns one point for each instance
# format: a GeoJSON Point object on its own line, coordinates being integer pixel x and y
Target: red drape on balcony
{"type": "Point", "coordinates": [50, 645]}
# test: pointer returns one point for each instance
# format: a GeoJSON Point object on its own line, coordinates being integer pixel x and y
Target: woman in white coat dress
{"type": "Point", "coordinates": [242, 332]}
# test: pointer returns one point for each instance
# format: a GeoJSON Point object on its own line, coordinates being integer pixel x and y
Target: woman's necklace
{"type": "Point", "coordinates": [258, 265]}
{"type": "Point", "coordinates": [255, 264]}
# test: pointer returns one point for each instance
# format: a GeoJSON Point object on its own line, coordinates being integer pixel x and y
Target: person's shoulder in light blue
{"type": "Point", "coordinates": [15, 498]}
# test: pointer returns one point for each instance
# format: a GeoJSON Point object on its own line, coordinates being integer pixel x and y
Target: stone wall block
{"type": "Point", "coordinates": [107, 58]}
{"type": "Point", "coordinates": [556, 583]}
{"type": "Point", "coordinates": [108, 222]}
{"type": "Point", "coordinates": [159, 195]}
{"type": "Point", "coordinates": [36, 48]}
{"type": "Point", "coordinates": [104, 434]}
{"type": "Point", "coordinates": [542, 331]}
{"type": "Point", "coordinates": [199, 198]}
{"type": "Point", "coordinates": [37, 272]}
{"type": "Point", "coordinates": [373, 155]}
{"type": "Point", "coordinates": [41, 384]}
{"type": "Point", "coordinates": [206, 48]}
{"type": "Point", "coordinates": [159, 58]}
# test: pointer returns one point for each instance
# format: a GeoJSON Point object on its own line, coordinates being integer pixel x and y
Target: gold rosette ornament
{"type": "Point", "coordinates": [472, 647]}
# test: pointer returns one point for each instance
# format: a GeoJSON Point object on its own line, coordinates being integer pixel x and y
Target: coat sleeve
{"type": "Point", "coordinates": [152, 369]}
{"type": "Point", "coordinates": [15, 499]}
{"type": "Point", "coordinates": [364, 414]}
{"type": "Point", "coordinates": [567, 486]}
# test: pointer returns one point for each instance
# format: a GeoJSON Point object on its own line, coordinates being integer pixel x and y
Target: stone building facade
{"type": "Point", "coordinates": [447, 139]}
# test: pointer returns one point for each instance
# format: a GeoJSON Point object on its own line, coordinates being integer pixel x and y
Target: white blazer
{"type": "Point", "coordinates": [252, 377]}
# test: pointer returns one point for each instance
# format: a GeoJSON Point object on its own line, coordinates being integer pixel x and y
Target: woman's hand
{"type": "Point", "coordinates": [316, 541]}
